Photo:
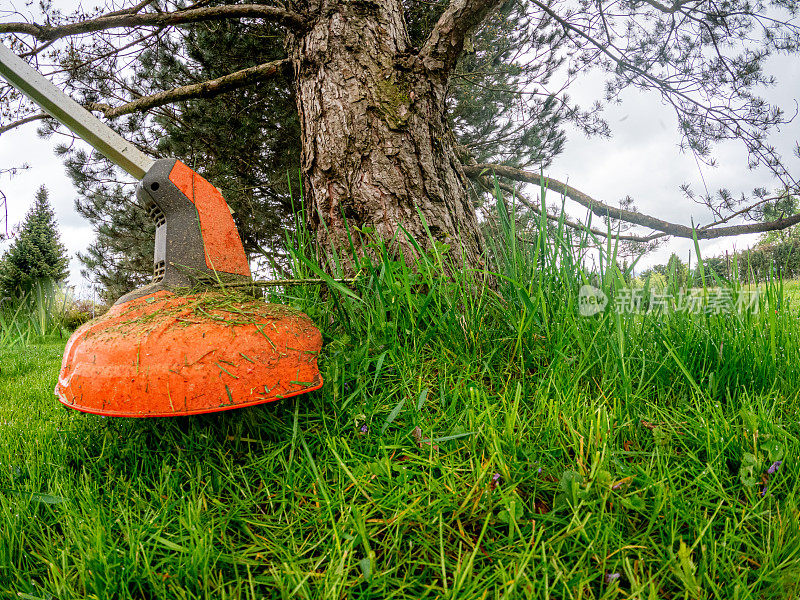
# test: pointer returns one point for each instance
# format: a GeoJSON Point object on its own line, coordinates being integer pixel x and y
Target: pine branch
{"type": "Point", "coordinates": [446, 41]}
{"type": "Point", "coordinates": [604, 210]}
{"type": "Point", "coordinates": [677, 92]}
{"type": "Point", "coordinates": [274, 14]}
{"type": "Point", "coordinates": [205, 89]}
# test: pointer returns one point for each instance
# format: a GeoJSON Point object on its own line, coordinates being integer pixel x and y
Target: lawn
{"type": "Point", "coordinates": [469, 442]}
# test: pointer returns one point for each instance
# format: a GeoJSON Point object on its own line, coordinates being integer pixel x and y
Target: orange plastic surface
{"type": "Point", "coordinates": [224, 250]}
{"type": "Point", "coordinates": [167, 355]}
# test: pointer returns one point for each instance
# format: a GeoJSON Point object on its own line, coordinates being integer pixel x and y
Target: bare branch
{"type": "Point", "coordinates": [132, 10]}
{"type": "Point", "coordinates": [604, 210]}
{"type": "Point", "coordinates": [487, 184]}
{"type": "Point", "coordinates": [75, 67]}
{"type": "Point", "coordinates": [281, 16]}
{"type": "Point", "coordinates": [446, 41]}
{"type": "Point", "coordinates": [25, 121]}
{"type": "Point", "coordinates": [205, 89]}
{"type": "Point", "coordinates": [675, 7]}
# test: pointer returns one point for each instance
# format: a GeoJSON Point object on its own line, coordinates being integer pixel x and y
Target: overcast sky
{"type": "Point", "coordinates": [642, 160]}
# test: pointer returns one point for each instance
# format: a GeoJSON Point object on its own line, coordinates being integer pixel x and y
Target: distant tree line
{"type": "Point", "coordinates": [780, 259]}
{"type": "Point", "coordinates": [764, 262]}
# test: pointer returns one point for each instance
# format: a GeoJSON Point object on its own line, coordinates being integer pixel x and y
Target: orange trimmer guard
{"type": "Point", "coordinates": [164, 355]}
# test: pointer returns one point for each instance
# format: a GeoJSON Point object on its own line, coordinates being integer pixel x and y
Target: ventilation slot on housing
{"type": "Point", "coordinates": [155, 213]}
{"type": "Point", "coordinates": [158, 271]}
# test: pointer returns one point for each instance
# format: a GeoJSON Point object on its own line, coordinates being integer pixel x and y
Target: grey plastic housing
{"type": "Point", "coordinates": [179, 259]}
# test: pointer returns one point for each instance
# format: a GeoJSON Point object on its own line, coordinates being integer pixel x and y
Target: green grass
{"type": "Point", "coordinates": [556, 456]}
{"type": "Point", "coordinates": [37, 315]}
{"type": "Point", "coordinates": [791, 292]}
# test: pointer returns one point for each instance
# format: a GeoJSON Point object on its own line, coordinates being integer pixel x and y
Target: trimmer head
{"type": "Point", "coordinates": [164, 355]}
{"type": "Point", "coordinates": [168, 349]}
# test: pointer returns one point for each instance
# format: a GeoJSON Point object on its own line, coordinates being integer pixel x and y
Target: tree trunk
{"type": "Point", "coordinates": [377, 149]}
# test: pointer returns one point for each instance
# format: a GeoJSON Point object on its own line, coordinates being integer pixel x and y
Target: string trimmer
{"type": "Point", "coordinates": [181, 345]}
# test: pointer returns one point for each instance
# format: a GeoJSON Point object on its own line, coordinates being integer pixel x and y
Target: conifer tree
{"type": "Point", "coordinates": [249, 144]}
{"type": "Point", "coordinates": [36, 253]}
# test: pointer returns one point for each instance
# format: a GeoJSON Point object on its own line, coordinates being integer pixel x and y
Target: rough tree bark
{"type": "Point", "coordinates": [377, 149]}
